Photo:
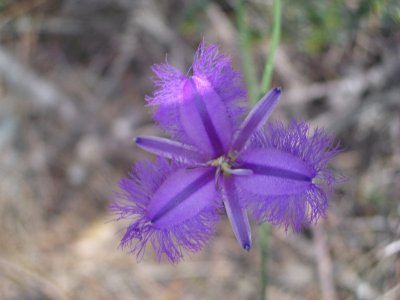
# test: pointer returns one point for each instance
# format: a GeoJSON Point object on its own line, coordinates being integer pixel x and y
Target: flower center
{"type": "Point", "coordinates": [225, 165]}
{"type": "Point", "coordinates": [228, 165]}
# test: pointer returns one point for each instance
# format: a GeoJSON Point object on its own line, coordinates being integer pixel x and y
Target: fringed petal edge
{"type": "Point", "coordinates": [228, 83]}
{"type": "Point", "coordinates": [131, 202]}
{"type": "Point", "coordinates": [300, 210]}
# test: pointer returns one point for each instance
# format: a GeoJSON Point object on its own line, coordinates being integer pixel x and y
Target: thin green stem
{"type": "Point", "coordinates": [245, 50]}
{"type": "Point", "coordinates": [265, 84]}
{"type": "Point", "coordinates": [251, 82]}
{"type": "Point", "coordinates": [264, 232]}
{"type": "Point", "coordinates": [276, 35]}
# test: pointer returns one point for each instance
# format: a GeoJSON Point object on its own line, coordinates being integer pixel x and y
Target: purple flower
{"type": "Point", "coordinates": [220, 161]}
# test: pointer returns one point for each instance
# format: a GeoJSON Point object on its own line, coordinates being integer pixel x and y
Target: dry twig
{"type": "Point", "coordinates": [324, 264]}
{"type": "Point", "coordinates": [35, 88]}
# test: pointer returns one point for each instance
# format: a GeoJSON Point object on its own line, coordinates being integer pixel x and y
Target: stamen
{"type": "Point", "coordinates": [217, 175]}
{"type": "Point", "coordinates": [239, 172]}
{"type": "Point", "coordinates": [216, 162]}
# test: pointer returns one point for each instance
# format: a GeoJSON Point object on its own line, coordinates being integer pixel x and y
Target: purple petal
{"type": "Point", "coordinates": [168, 239]}
{"type": "Point", "coordinates": [182, 196]}
{"type": "Point", "coordinates": [291, 180]}
{"type": "Point", "coordinates": [314, 149]}
{"type": "Point", "coordinates": [256, 118]}
{"type": "Point", "coordinates": [209, 121]}
{"type": "Point", "coordinates": [204, 117]}
{"type": "Point", "coordinates": [295, 211]}
{"type": "Point", "coordinates": [169, 149]}
{"type": "Point", "coordinates": [274, 172]}
{"type": "Point", "coordinates": [227, 83]}
{"type": "Point", "coordinates": [236, 214]}
{"type": "Point", "coordinates": [166, 98]}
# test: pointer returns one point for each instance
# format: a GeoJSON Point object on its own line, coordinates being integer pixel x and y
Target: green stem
{"type": "Point", "coordinates": [251, 82]}
{"type": "Point", "coordinates": [276, 35]}
{"type": "Point", "coordinates": [245, 50]}
{"type": "Point", "coordinates": [264, 232]}
{"type": "Point", "coordinates": [265, 84]}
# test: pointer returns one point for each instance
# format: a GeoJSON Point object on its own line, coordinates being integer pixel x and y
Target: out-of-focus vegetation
{"type": "Point", "coordinates": [311, 25]}
{"type": "Point", "coordinates": [73, 76]}
{"type": "Point", "coordinates": [319, 25]}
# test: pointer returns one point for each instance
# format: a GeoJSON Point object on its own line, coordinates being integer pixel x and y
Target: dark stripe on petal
{"type": "Point", "coordinates": [256, 118]}
{"type": "Point", "coordinates": [236, 214]}
{"type": "Point", "coordinates": [276, 172]}
{"type": "Point", "coordinates": [207, 122]}
{"type": "Point", "coordinates": [168, 148]}
{"type": "Point", "coordinates": [189, 190]}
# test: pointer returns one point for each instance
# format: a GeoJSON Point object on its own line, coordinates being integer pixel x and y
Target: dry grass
{"type": "Point", "coordinates": [73, 79]}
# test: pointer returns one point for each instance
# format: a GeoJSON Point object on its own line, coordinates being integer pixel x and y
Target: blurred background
{"type": "Point", "coordinates": [73, 76]}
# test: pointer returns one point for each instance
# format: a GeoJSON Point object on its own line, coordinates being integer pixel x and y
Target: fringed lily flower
{"type": "Point", "coordinates": [219, 160]}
